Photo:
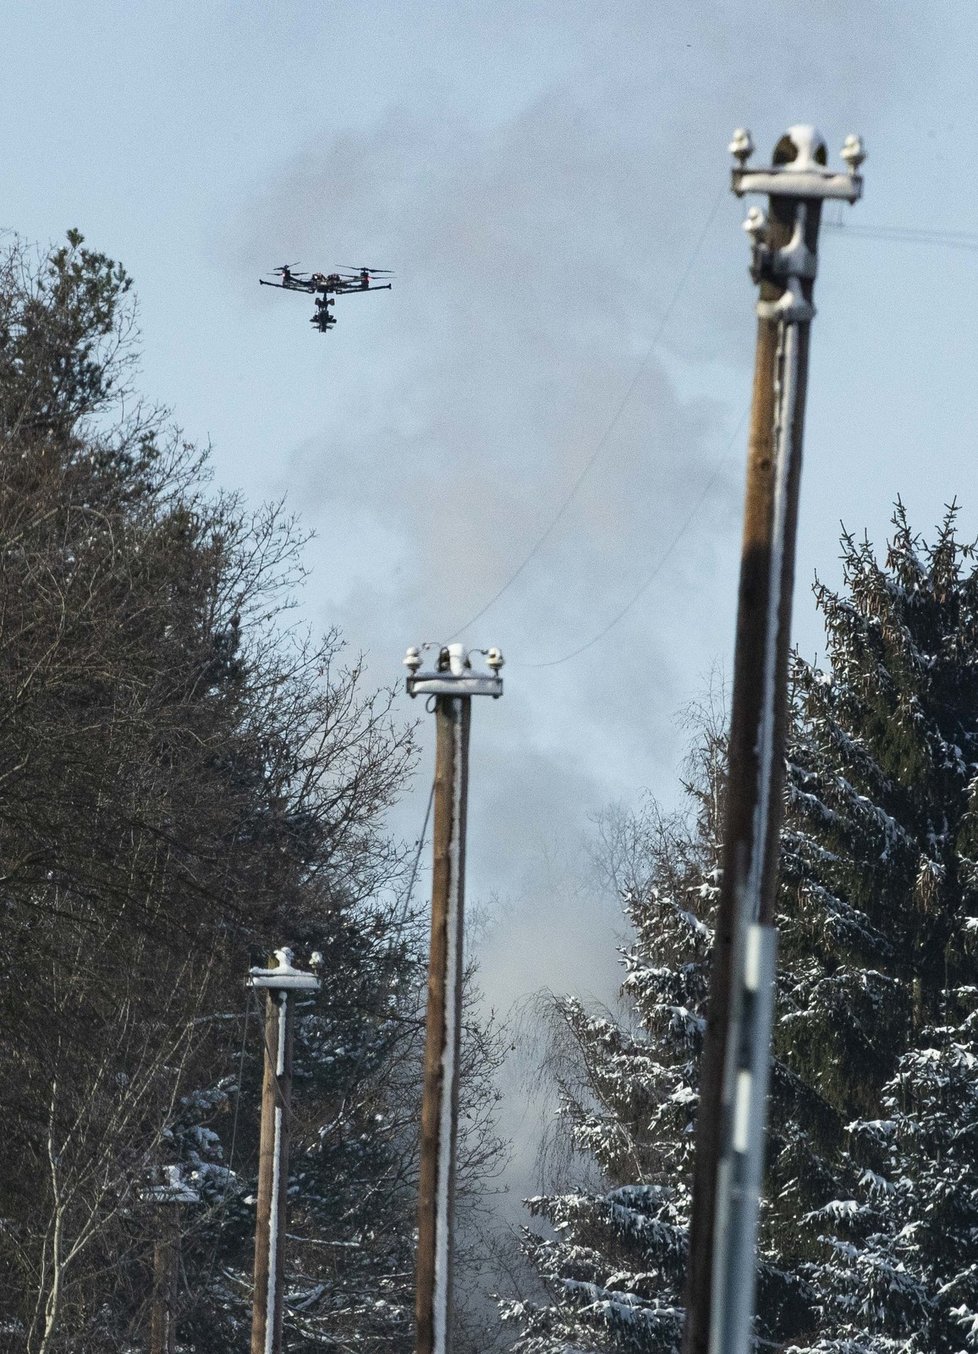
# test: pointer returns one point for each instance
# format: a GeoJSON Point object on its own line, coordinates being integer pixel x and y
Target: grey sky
{"type": "Point", "coordinates": [537, 174]}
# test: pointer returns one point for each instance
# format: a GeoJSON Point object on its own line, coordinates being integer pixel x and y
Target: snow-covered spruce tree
{"type": "Point", "coordinates": [870, 1229]}
{"type": "Point", "coordinates": [879, 956]}
{"type": "Point", "coordinates": [612, 1260]}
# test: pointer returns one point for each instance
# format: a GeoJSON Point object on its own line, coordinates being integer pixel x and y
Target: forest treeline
{"type": "Point", "coordinates": [187, 781]}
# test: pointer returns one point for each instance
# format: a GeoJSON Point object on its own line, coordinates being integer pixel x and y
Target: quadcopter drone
{"type": "Point", "coordinates": [326, 286]}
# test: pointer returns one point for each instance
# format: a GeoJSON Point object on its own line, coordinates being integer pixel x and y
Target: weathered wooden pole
{"type": "Point", "coordinates": [452, 684]}
{"type": "Point", "coordinates": [736, 1052]}
{"type": "Point", "coordinates": [273, 1159]}
{"type": "Point", "coordinates": [171, 1196]}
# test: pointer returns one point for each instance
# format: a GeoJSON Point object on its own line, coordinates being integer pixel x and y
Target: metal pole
{"type": "Point", "coordinates": [273, 1159]}
{"type": "Point", "coordinates": [736, 1050]}
{"type": "Point", "coordinates": [453, 684]}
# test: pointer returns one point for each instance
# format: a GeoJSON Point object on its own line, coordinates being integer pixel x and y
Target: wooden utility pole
{"type": "Point", "coordinates": [273, 1161]}
{"type": "Point", "coordinates": [452, 685]}
{"type": "Point", "coordinates": [170, 1196]}
{"type": "Point", "coordinates": [736, 1051]}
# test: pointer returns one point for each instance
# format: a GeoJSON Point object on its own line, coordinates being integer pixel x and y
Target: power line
{"type": "Point", "coordinates": [238, 1094]}
{"type": "Point", "coordinates": [953, 239]}
{"type": "Point", "coordinates": [409, 893]}
{"type": "Point", "coordinates": [660, 564]}
{"type": "Point", "coordinates": [222, 1208]}
{"type": "Point", "coordinates": [603, 439]}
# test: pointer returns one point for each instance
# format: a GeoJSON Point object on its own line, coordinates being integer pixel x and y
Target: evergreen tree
{"type": "Point", "coordinates": [869, 1229]}
{"type": "Point", "coordinates": [879, 955]}
{"type": "Point", "coordinates": [613, 1268]}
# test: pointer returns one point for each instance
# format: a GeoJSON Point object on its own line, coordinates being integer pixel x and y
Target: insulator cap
{"type": "Point", "coordinates": [741, 146]}
{"type": "Point", "coordinates": [853, 152]}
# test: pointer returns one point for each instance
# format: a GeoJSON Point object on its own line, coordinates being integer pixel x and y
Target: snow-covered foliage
{"type": "Point", "coordinates": [878, 995]}
{"type": "Point", "coordinates": [613, 1257]}
{"type": "Point", "coordinates": [870, 1226]}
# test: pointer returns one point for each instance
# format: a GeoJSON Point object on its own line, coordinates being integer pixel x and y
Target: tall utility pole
{"type": "Point", "coordinates": [736, 1052]}
{"type": "Point", "coordinates": [452, 684]}
{"type": "Point", "coordinates": [273, 1160]}
{"type": "Point", "coordinates": [171, 1196]}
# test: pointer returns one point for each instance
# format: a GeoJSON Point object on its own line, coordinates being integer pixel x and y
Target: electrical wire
{"type": "Point", "coordinates": [406, 901]}
{"type": "Point", "coordinates": [613, 423]}
{"type": "Point", "coordinates": [237, 1098]}
{"type": "Point", "coordinates": [270, 1054]}
{"type": "Point", "coordinates": [953, 239]}
{"type": "Point", "coordinates": [222, 1207]}
{"type": "Point", "coordinates": [660, 563]}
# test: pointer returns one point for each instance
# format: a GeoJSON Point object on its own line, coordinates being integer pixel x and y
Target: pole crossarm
{"type": "Point", "coordinates": [173, 1190]}
{"type": "Point", "coordinates": [453, 674]}
{"type": "Point", "coordinates": [444, 684]}
{"type": "Point", "coordinates": [735, 1061]}
{"type": "Point", "coordinates": [285, 977]}
{"type": "Point", "coordinates": [804, 176]}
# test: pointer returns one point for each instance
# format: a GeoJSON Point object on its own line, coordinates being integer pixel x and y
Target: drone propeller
{"type": "Point", "coordinates": [380, 272]}
{"type": "Point", "coordinates": [285, 268]}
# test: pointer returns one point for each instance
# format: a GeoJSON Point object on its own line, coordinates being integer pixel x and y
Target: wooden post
{"type": "Point", "coordinates": [166, 1273]}
{"type": "Point", "coordinates": [169, 1197]}
{"type": "Point", "coordinates": [452, 685]}
{"type": "Point", "coordinates": [273, 1159]}
{"type": "Point", "coordinates": [736, 1050]}
{"type": "Point", "coordinates": [439, 1109]}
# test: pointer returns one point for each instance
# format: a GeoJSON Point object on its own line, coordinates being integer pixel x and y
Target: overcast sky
{"type": "Point", "coordinates": [548, 180]}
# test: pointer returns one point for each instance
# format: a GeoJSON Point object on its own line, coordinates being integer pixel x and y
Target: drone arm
{"type": "Point", "coordinates": [287, 286]}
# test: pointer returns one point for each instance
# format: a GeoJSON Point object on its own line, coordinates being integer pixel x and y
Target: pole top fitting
{"type": "Point", "coordinates": [741, 146]}
{"type": "Point", "coordinates": [174, 1189]}
{"type": "Point", "coordinates": [755, 222]}
{"type": "Point", "coordinates": [284, 977]}
{"type": "Point", "coordinates": [853, 152]}
{"type": "Point", "coordinates": [808, 144]}
{"type": "Point", "coordinates": [453, 673]}
{"type": "Point", "coordinates": [799, 168]}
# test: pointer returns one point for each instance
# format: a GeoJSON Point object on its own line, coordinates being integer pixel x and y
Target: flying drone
{"type": "Point", "coordinates": [326, 286]}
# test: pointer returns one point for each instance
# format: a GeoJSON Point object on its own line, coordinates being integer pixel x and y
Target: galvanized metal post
{"type": "Point", "coordinates": [736, 1053]}
{"type": "Point", "coordinates": [452, 684]}
{"type": "Point", "coordinates": [280, 983]}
